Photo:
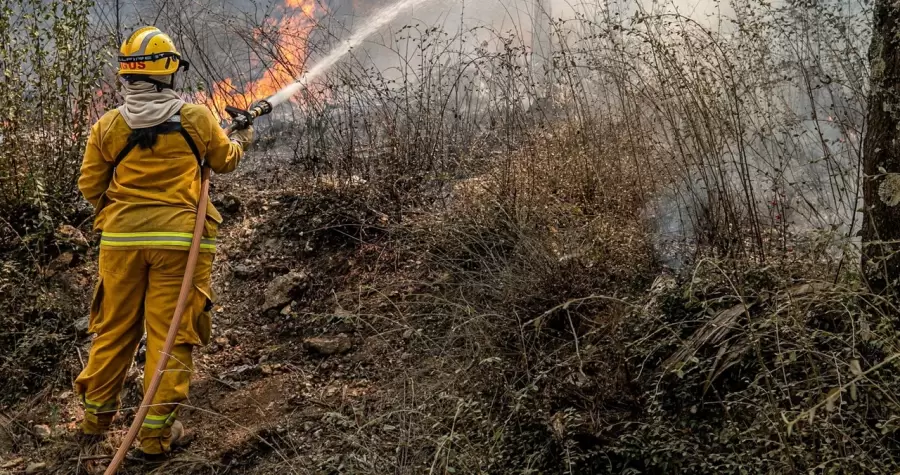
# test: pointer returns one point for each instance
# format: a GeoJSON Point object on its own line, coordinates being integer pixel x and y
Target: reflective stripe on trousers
{"type": "Point", "coordinates": [95, 407]}
{"type": "Point", "coordinates": [158, 421]}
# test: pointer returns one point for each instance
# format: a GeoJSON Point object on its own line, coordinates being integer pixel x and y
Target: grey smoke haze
{"type": "Point", "coordinates": [216, 23]}
{"type": "Point", "coordinates": [795, 146]}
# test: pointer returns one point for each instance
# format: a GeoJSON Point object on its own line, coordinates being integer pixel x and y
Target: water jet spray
{"type": "Point", "coordinates": [242, 119]}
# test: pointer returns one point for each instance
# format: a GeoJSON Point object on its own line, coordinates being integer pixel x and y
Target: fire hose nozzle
{"type": "Point", "coordinates": [241, 119]}
{"type": "Point", "coordinates": [261, 108]}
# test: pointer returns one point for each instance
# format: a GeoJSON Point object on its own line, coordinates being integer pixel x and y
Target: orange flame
{"type": "Point", "coordinates": [286, 39]}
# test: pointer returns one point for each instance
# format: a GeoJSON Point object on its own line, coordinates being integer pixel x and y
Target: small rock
{"type": "Point", "coordinates": [242, 271]}
{"type": "Point", "coordinates": [408, 334]}
{"type": "Point", "coordinates": [13, 463]}
{"type": "Point", "coordinates": [42, 431]}
{"type": "Point", "coordinates": [64, 396]}
{"type": "Point", "coordinates": [274, 269]}
{"type": "Point", "coordinates": [36, 467]}
{"type": "Point", "coordinates": [81, 326]}
{"type": "Point", "coordinates": [284, 289]}
{"type": "Point", "coordinates": [71, 235]}
{"type": "Point", "coordinates": [222, 341]}
{"type": "Point", "coordinates": [61, 263]}
{"type": "Point", "coordinates": [135, 376]}
{"type": "Point", "coordinates": [140, 357]}
{"type": "Point", "coordinates": [231, 203]}
{"type": "Point", "coordinates": [243, 372]}
{"type": "Point", "coordinates": [360, 358]}
{"type": "Point", "coordinates": [286, 310]}
{"type": "Point", "coordinates": [329, 345]}
{"type": "Point", "coordinates": [342, 313]}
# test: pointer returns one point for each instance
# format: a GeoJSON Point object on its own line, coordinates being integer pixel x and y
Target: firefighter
{"type": "Point", "coordinates": [141, 172]}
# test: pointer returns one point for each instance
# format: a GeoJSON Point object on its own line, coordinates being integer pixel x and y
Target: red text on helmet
{"type": "Point", "coordinates": [134, 65]}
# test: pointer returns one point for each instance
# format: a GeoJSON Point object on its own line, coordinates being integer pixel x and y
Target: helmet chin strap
{"type": "Point", "coordinates": [160, 85]}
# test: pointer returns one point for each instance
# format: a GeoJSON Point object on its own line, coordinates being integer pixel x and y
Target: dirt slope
{"type": "Point", "coordinates": [268, 393]}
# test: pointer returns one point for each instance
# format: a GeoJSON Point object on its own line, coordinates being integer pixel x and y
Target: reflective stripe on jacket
{"type": "Point", "coordinates": [144, 240]}
{"type": "Point", "coordinates": [150, 199]}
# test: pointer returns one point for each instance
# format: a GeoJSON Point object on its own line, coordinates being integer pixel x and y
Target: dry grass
{"type": "Point", "coordinates": [497, 250]}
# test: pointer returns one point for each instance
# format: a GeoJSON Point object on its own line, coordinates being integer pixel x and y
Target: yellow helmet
{"type": "Point", "coordinates": [149, 52]}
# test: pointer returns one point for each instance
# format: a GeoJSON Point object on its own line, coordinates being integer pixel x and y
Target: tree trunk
{"type": "Point", "coordinates": [881, 154]}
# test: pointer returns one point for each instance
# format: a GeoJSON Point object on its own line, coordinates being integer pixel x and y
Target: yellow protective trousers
{"type": "Point", "coordinates": [137, 291]}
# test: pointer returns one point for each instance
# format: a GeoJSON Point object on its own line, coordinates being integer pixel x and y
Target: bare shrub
{"type": "Point", "coordinates": [540, 202]}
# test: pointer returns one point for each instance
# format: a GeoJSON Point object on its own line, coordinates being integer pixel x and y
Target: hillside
{"type": "Point", "coordinates": [645, 249]}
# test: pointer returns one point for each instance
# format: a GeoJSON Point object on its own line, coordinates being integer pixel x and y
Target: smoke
{"type": "Point", "coordinates": [798, 148]}
{"type": "Point", "coordinates": [780, 89]}
{"type": "Point", "coordinates": [785, 161]}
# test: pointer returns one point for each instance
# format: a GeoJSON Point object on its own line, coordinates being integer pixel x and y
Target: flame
{"type": "Point", "coordinates": [285, 40]}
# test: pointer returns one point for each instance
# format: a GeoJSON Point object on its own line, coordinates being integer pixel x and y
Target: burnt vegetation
{"type": "Point", "coordinates": [631, 250]}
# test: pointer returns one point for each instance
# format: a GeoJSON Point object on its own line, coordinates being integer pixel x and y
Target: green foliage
{"type": "Point", "coordinates": [51, 66]}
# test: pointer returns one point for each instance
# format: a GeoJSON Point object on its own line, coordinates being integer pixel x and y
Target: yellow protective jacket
{"type": "Point", "coordinates": [150, 199]}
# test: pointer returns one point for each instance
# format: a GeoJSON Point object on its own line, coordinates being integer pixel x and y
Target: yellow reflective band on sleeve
{"type": "Point", "coordinates": [152, 239]}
